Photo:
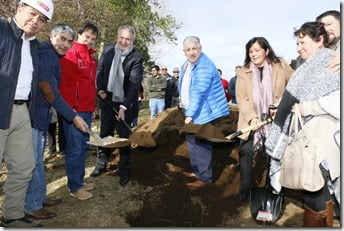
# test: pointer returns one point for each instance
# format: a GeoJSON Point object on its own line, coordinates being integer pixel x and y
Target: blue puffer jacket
{"type": "Point", "coordinates": [49, 75]}
{"type": "Point", "coordinates": [207, 98]}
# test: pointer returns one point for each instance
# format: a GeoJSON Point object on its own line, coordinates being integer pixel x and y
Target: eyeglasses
{"type": "Point", "coordinates": [164, 69]}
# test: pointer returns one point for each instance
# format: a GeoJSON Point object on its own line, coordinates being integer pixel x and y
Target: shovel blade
{"type": "Point", "coordinates": [265, 206]}
{"type": "Point", "coordinates": [211, 133]}
{"type": "Point", "coordinates": [191, 129]}
{"type": "Point", "coordinates": [110, 142]}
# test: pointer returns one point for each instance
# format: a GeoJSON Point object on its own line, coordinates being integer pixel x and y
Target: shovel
{"type": "Point", "coordinates": [107, 142]}
{"type": "Point", "coordinates": [266, 206]}
{"type": "Point", "coordinates": [190, 129]}
{"type": "Point", "coordinates": [206, 133]}
{"type": "Point", "coordinates": [116, 112]}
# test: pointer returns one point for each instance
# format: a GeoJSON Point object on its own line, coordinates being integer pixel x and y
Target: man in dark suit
{"type": "Point", "coordinates": [119, 76]}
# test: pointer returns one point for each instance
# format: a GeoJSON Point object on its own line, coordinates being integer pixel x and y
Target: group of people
{"type": "Point", "coordinates": [62, 73]}
{"type": "Point", "coordinates": [267, 87]}
{"type": "Point", "coordinates": [162, 89]}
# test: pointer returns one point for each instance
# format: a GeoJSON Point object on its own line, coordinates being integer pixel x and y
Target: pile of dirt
{"type": "Point", "coordinates": [157, 195]}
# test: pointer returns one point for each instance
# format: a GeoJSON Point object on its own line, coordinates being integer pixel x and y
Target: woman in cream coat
{"type": "Point", "coordinates": [260, 83]}
{"type": "Point", "coordinates": [317, 90]}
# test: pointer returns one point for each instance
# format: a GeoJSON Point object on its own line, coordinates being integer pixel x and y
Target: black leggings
{"type": "Point", "coordinates": [317, 200]}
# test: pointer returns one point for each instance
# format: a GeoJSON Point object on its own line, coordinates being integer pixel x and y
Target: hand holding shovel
{"type": "Point", "coordinates": [204, 132]}
{"type": "Point", "coordinates": [94, 135]}
{"type": "Point", "coordinates": [118, 116]}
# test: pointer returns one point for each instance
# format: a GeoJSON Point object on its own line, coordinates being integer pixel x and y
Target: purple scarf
{"type": "Point", "coordinates": [262, 97]}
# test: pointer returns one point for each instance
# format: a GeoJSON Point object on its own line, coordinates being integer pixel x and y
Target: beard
{"type": "Point", "coordinates": [333, 41]}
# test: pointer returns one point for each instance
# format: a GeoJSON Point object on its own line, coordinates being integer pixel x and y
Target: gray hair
{"type": "Point", "coordinates": [192, 39]}
{"type": "Point", "coordinates": [129, 28]}
{"type": "Point", "coordinates": [62, 28]}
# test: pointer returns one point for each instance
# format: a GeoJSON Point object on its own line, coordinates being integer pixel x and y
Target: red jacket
{"type": "Point", "coordinates": [78, 84]}
{"type": "Point", "coordinates": [225, 88]}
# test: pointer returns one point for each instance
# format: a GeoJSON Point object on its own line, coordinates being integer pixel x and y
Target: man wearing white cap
{"type": "Point", "coordinates": [18, 77]}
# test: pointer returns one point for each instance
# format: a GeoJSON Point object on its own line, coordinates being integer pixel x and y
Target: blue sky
{"type": "Point", "coordinates": [225, 26]}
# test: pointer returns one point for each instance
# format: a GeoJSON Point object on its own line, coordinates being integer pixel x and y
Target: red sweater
{"type": "Point", "coordinates": [225, 88]}
{"type": "Point", "coordinates": [78, 84]}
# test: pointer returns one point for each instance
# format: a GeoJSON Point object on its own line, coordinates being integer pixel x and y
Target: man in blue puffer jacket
{"type": "Point", "coordinates": [203, 100]}
{"type": "Point", "coordinates": [49, 74]}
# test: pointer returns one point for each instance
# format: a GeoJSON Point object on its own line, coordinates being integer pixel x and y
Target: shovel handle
{"type": "Point", "coordinates": [247, 129]}
{"type": "Point", "coordinates": [116, 112]}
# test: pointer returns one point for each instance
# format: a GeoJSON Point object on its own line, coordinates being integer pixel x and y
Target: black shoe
{"type": "Point", "coordinates": [123, 181]}
{"type": "Point", "coordinates": [242, 197]}
{"type": "Point", "coordinates": [97, 172]}
{"type": "Point", "coordinates": [23, 222]}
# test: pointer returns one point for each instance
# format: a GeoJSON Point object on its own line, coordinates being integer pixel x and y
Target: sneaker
{"type": "Point", "coordinates": [81, 194]}
{"type": "Point", "coordinates": [23, 222]}
{"type": "Point", "coordinates": [88, 186]}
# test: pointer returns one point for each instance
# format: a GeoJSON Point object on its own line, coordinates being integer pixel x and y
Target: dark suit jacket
{"type": "Point", "coordinates": [133, 72]}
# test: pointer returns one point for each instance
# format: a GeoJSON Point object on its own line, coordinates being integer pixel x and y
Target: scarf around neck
{"type": "Point", "coordinates": [116, 75]}
{"type": "Point", "coordinates": [262, 97]}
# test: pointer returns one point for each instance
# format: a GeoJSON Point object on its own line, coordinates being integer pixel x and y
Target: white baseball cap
{"type": "Point", "coordinates": [46, 7]}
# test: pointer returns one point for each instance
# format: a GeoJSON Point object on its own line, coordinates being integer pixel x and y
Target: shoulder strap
{"type": "Point", "coordinates": [295, 120]}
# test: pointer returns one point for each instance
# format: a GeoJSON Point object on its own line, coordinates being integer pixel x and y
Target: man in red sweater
{"type": "Point", "coordinates": [225, 86]}
{"type": "Point", "coordinates": [79, 90]}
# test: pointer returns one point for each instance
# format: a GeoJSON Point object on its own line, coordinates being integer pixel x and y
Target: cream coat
{"type": "Point", "coordinates": [281, 72]}
{"type": "Point", "coordinates": [324, 126]}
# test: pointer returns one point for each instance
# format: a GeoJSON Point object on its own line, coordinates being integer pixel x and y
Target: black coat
{"type": "Point", "coordinates": [133, 73]}
{"type": "Point", "coordinates": [10, 60]}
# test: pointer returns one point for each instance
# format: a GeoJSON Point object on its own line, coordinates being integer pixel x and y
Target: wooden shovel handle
{"type": "Point", "coordinates": [247, 129]}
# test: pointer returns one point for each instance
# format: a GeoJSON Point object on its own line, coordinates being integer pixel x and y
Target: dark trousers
{"type": "Point", "coordinates": [52, 137]}
{"type": "Point", "coordinates": [61, 137]}
{"type": "Point", "coordinates": [246, 155]}
{"type": "Point", "coordinates": [201, 154]}
{"type": "Point", "coordinates": [108, 125]}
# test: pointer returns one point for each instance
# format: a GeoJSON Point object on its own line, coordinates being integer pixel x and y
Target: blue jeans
{"type": "Point", "coordinates": [156, 106]}
{"type": "Point", "coordinates": [36, 192]}
{"type": "Point", "coordinates": [76, 152]}
{"type": "Point", "coordinates": [201, 153]}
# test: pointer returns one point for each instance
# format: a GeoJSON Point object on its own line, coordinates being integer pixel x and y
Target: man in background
{"type": "Point", "coordinates": [231, 86]}
{"type": "Point", "coordinates": [156, 85]}
{"type": "Point", "coordinates": [169, 86]}
{"type": "Point", "coordinates": [331, 20]}
{"type": "Point", "coordinates": [175, 93]}
{"type": "Point", "coordinates": [224, 85]}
